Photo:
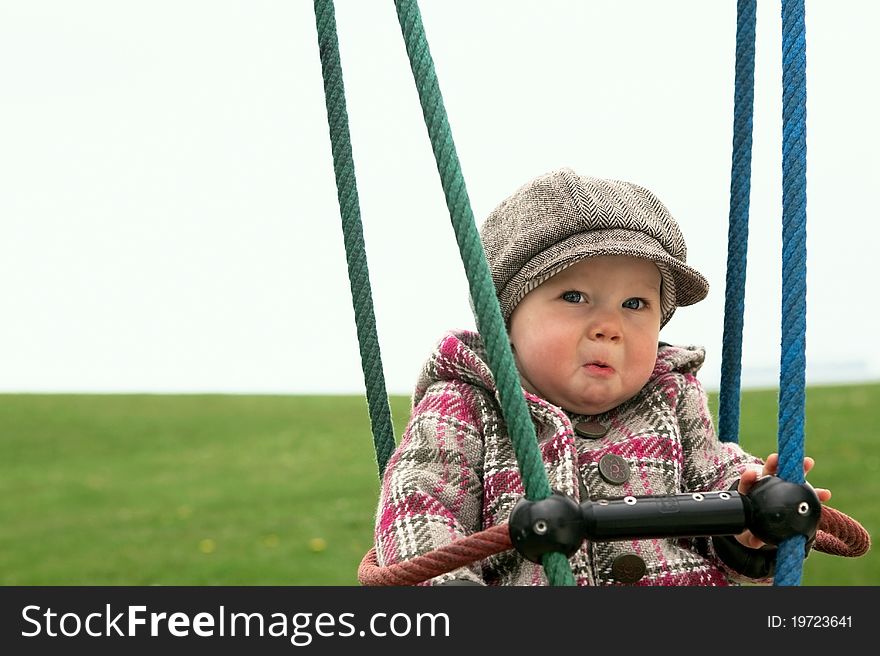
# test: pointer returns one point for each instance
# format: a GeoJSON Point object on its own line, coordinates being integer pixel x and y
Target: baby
{"type": "Point", "coordinates": [587, 271]}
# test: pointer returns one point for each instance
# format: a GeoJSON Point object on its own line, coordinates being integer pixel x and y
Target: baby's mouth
{"type": "Point", "coordinates": [599, 366]}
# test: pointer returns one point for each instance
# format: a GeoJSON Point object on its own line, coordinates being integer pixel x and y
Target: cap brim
{"type": "Point", "coordinates": [689, 284]}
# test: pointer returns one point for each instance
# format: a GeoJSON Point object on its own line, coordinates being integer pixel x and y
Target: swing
{"type": "Point", "coordinates": [546, 527]}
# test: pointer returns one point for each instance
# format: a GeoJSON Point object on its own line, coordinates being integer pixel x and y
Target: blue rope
{"type": "Point", "coordinates": [738, 230]}
{"type": "Point", "coordinates": [789, 559]}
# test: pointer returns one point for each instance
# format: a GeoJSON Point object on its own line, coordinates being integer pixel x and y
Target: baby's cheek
{"type": "Point", "coordinates": [643, 363]}
{"type": "Point", "coordinates": [545, 346]}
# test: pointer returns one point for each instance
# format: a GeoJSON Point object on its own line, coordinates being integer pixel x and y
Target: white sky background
{"type": "Point", "coordinates": [168, 213]}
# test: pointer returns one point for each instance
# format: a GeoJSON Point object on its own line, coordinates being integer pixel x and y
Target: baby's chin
{"type": "Point", "coordinates": [593, 406]}
{"type": "Point", "coordinates": [589, 409]}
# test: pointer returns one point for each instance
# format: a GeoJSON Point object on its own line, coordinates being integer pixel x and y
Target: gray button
{"type": "Point", "coordinates": [628, 568]}
{"type": "Point", "coordinates": [592, 430]}
{"type": "Point", "coordinates": [613, 469]}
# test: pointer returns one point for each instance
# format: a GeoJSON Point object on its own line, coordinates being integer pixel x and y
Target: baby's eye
{"type": "Point", "coordinates": [572, 297]}
{"type": "Point", "coordinates": [634, 303]}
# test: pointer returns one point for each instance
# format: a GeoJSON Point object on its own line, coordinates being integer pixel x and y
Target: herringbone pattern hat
{"type": "Point", "coordinates": [560, 218]}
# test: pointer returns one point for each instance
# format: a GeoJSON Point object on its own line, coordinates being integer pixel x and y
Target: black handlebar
{"type": "Point", "coordinates": [774, 510]}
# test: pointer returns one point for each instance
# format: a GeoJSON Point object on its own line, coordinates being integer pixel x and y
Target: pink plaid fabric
{"type": "Point", "coordinates": [455, 471]}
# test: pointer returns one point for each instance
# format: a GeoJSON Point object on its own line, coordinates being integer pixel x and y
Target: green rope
{"type": "Point", "coordinates": [353, 234]}
{"type": "Point", "coordinates": [487, 311]}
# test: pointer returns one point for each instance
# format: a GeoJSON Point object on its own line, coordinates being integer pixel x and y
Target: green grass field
{"type": "Point", "coordinates": [275, 490]}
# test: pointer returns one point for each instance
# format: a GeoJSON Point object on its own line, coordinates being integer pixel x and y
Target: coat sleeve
{"type": "Point", "coordinates": [708, 463]}
{"type": "Point", "coordinates": [432, 487]}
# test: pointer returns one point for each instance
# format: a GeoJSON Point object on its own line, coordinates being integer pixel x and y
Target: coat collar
{"type": "Point", "coordinates": [460, 355]}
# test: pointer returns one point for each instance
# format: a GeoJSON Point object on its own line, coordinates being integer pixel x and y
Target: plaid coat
{"type": "Point", "coordinates": [455, 471]}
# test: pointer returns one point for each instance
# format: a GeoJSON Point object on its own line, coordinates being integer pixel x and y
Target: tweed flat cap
{"type": "Point", "coordinates": [560, 218]}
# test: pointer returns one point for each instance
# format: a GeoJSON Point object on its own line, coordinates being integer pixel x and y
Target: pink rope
{"type": "Point", "coordinates": [841, 535]}
{"type": "Point", "coordinates": [450, 557]}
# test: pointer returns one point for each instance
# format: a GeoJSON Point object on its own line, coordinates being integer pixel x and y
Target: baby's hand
{"type": "Point", "coordinates": [748, 479]}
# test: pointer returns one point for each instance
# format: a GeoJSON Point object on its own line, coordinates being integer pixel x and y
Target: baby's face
{"type": "Point", "coordinates": [586, 339]}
